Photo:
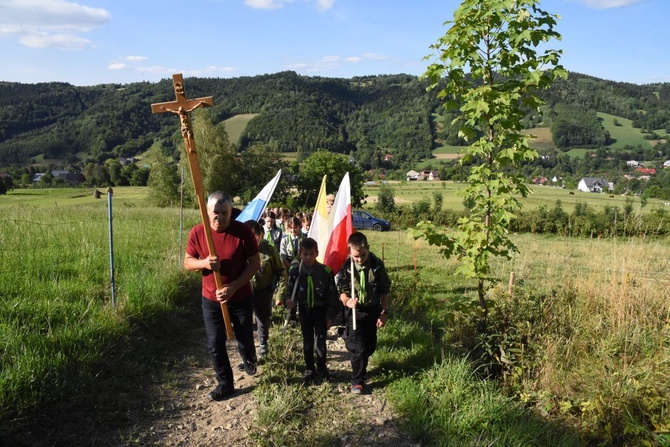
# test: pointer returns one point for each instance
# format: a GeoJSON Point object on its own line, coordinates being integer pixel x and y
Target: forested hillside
{"type": "Point", "coordinates": [296, 114]}
{"type": "Point", "coordinates": [365, 116]}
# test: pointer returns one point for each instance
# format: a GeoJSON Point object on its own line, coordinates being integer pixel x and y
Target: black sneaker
{"type": "Point", "coordinates": [250, 368]}
{"type": "Point", "coordinates": [240, 367]}
{"type": "Point", "coordinates": [221, 392]}
{"type": "Point", "coordinates": [324, 375]}
{"type": "Point", "coordinates": [309, 375]}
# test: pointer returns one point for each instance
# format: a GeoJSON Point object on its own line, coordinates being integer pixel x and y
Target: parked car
{"type": "Point", "coordinates": [366, 221]}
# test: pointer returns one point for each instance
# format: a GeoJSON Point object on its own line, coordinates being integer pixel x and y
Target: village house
{"type": "Point", "coordinates": [646, 171]}
{"type": "Point", "coordinates": [594, 184]}
{"type": "Point", "coordinates": [632, 163]}
{"type": "Point", "coordinates": [412, 175]}
{"type": "Point", "coordinates": [428, 174]}
{"type": "Point", "coordinates": [388, 157]}
{"type": "Point", "coordinates": [73, 178]}
{"type": "Point", "coordinates": [666, 164]}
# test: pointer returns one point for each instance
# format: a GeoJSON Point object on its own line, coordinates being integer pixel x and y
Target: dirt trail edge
{"type": "Point", "coordinates": [182, 415]}
{"type": "Point", "coordinates": [152, 391]}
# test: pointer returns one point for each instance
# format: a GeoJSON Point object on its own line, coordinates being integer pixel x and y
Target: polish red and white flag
{"type": "Point", "coordinates": [340, 224]}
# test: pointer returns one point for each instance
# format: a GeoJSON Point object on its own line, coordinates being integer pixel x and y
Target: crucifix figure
{"type": "Point", "coordinates": [182, 107]}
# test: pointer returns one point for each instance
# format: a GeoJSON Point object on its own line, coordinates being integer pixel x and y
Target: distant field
{"type": "Point", "coordinates": [625, 134]}
{"type": "Point", "coordinates": [577, 153]}
{"type": "Point", "coordinates": [236, 125]}
{"type": "Point", "coordinates": [448, 152]}
{"type": "Point", "coordinates": [410, 192]}
{"type": "Point", "coordinates": [405, 193]}
{"type": "Point", "coordinates": [542, 138]}
{"type": "Point", "coordinates": [290, 156]}
{"type": "Point", "coordinates": [122, 196]}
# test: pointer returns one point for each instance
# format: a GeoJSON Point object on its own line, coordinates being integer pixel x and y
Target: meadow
{"type": "Point", "coordinates": [409, 192]}
{"type": "Point", "coordinates": [578, 347]}
{"type": "Point", "coordinates": [236, 125]}
{"type": "Point", "coordinates": [624, 133]}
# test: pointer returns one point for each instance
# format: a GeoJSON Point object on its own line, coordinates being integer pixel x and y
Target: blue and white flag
{"type": "Point", "coordinates": [254, 209]}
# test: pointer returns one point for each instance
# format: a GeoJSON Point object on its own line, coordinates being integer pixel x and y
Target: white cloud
{"type": "Point", "coordinates": [266, 4]}
{"type": "Point", "coordinates": [50, 23]}
{"type": "Point", "coordinates": [62, 41]}
{"type": "Point", "coordinates": [329, 59]}
{"type": "Point", "coordinates": [324, 5]}
{"type": "Point", "coordinates": [353, 59]}
{"type": "Point", "coordinates": [605, 4]}
{"type": "Point", "coordinates": [321, 5]}
{"type": "Point", "coordinates": [375, 56]}
{"type": "Point", "coordinates": [136, 58]}
{"type": "Point", "coordinates": [117, 66]}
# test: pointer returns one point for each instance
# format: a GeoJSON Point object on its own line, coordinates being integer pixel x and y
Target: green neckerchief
{"type": "Point", "coordinates": [294, 249]}
{"type": "Point", "coordinates": [310, 290]}
{"type": "Point", "coordinates": [362, 281]}
{"type": "Point", "coordinates": [268, 237]}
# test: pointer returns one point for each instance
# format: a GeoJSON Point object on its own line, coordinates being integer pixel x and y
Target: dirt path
{"type": "Point", "coordinates": [153, 392]}
{"type": "Point", "coordinates": [183, 416]}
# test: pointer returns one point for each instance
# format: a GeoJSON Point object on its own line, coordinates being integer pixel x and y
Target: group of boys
{"type": "Point", "coordinates": [253, 271]}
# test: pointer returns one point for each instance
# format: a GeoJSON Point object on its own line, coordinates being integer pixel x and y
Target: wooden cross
{"type": "Point", "coordinates": [183, 107]}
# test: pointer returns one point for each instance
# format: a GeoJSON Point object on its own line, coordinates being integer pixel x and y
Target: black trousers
{"type": "Point", "coordinates": [241, 316]}
{"type": "Point", "coordinates": [362, 342]}
{"type": "Point", "coordinates": [263, 301]}
{"type": "Point", "coordinates": [314, 331]}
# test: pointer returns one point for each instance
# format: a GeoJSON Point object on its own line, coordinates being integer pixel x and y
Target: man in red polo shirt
{"type": "Point", "coordinates": [237, 261]}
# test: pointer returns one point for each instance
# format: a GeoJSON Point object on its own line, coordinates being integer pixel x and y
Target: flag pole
{"type": "Point", "coordinates": [353, 293]}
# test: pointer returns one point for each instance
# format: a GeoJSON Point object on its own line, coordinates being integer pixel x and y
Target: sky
{"type": "Point", "coordinates": [90, 42]}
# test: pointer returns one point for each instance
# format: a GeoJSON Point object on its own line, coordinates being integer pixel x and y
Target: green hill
{"type": "Point", "coordinates": [622, 132]}
{"type": "Point", "coordinates": [364, 116]}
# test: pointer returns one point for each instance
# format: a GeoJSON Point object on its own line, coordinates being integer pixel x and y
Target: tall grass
{"type": "Point", "coordinates": [582, 340]}
{"type": "Point", "coordinates": [449, 405]}
{"type": "Point", "coordinates": [603, 338]}
{"type": "Point", "coordinates": [56, 318]}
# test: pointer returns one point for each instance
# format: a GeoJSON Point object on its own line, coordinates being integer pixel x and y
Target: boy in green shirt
{"type": "Point", "coordinates": [270, 277]}
{"type": "Point", "coordinates": [311, 288]}
{"type": "Point", "coordinates": [372, 287]}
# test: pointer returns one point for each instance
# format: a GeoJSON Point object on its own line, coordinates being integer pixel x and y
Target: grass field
{"type": "Point", "coordinates": [624, 134]}
{"type": "Point", "coordinates": [542, 140]}
{"type": "Point", "coordinates": [593, 313]}
{"type": "Point", "coordinates": [410, 192]}
{"type": "Point", "coordinates": [236, 125]}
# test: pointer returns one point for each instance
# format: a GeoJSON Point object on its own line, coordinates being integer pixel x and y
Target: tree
{"type": "Point", "coordinates": [115, 172]}
{"type": "Point", "coordinates": [493, 73]}
{"type": "Point", "coordinates": [438, 200]}
{"type": "Point", "coordinates": [163, 181]}
{"type": "Point", "coordinates": [333, 165]}
{"type": "Point", "coordinates": [47, 180]}
{"type": "Point", "coordinates": [219, 165]}
{"type": "Point", "coordinates": [260, 163]}
{"type": "Point", "coordinates": [386, 199]}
